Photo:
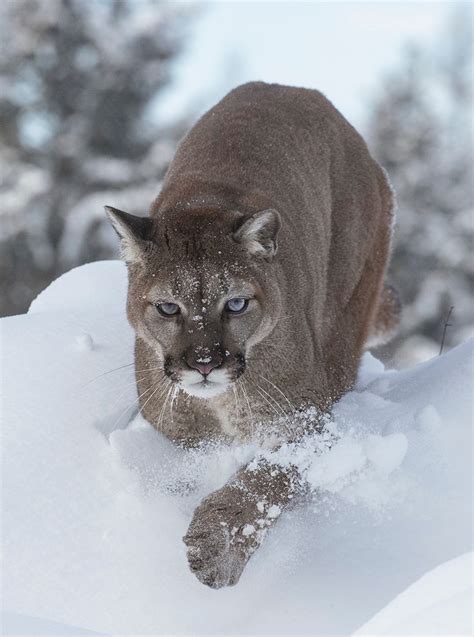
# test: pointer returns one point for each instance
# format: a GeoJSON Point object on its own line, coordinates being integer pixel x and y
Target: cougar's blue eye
{"type": "Point", "coordinates": [168, 309]}
{"type": "Point", "coordinates": [236, 306]}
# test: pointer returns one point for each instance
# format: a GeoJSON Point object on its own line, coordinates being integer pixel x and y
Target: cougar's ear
{"type": "Point", "coordinates": [134, 233]}
{"type": "Point", "coordinates": [258, 233]}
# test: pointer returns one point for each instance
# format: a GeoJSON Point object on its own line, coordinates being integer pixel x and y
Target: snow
{"type": "Point", "coordinates": [248, 529]}
{"type": "Point", "coordinates": [273, 511]}
{"type": "Point", "coordinates": [95, 501]}
{"type": "Point", "coordinates": [439, 603]}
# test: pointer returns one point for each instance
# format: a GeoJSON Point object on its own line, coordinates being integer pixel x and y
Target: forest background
{"type": "Point", "coordinates": [96, 95]}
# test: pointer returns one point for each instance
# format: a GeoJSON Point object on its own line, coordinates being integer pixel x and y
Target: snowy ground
{"type": "Point", "coordinates": [95, 502]}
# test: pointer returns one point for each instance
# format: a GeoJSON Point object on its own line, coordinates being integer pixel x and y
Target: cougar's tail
{"type": "Point", "coordinates": [387, 318]}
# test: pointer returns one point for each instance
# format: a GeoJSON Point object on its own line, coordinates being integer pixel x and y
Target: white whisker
{"type": "Point", "coordinates": [274, 400]}
{"type": "Point", "coordinates": [157, 387]}
{"type": "Point", "coordinates": [163, 409]}
{"type": "Point", "coordinates": [292, 407]}
{"type": "Point", "coordinates": [132, 404]}
{"type": "Point", "coordinates": [271, 405]}
{"type": "Point", "coordinates": [236, 399]}
{"type": "Point", "coordinates": [116, 369]}
{"type": "Point", "coordinates": [250, 409]}
{"type": "Point", "coordinates": [173, 399]}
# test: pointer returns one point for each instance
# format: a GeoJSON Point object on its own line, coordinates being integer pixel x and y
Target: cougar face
{"type": "Point", "coordinates": [201, 292]}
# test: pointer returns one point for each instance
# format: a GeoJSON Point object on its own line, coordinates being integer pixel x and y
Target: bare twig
{"type": "Point", "coordinates": [446, 325]}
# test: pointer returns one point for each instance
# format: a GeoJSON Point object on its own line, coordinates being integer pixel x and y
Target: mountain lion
{"type": "Point", "coordinates": [254, 285]}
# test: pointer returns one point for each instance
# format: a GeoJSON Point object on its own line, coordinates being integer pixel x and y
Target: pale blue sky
{"type": "Point", "coordinates": [341, 48]}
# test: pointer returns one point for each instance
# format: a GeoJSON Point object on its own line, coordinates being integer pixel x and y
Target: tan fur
{"type": "Point", "coordinates": [274, 196]}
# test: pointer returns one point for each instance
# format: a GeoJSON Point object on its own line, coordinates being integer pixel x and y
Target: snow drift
{"type": "Point", "coordinates": [95, 501]}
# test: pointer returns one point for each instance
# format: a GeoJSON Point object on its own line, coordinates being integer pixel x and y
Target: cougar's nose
{"type": "Point", "coordinates": [205, 365]}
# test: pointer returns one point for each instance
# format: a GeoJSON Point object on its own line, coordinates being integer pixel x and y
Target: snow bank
{"type": "Point", "coordinates": [439, 603]}
{"type": "Point", "coordinates": [95, 501]}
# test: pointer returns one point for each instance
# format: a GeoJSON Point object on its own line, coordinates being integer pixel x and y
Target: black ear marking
{"type": "Point", "coordinates": [124, 223]}
{"type": "Point", "coordinates": [133, 231]}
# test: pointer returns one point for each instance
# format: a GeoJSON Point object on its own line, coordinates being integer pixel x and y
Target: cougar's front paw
{"type": "Point", "coordinates": [218, 542]}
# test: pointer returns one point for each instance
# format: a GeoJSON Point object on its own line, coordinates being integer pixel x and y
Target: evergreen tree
{"type": "Point", "coordinates": [79, 79]}
{"type": "Point", "coordinates": [420, 130]}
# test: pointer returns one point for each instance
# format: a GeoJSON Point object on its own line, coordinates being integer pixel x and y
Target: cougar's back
{"type": "Point", "coordinates": [270, 146]}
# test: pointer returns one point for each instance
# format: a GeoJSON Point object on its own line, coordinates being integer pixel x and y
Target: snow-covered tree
{"type": "Point", "coordinates": [78, 82]}
{"type": "Point", "coordinates": [420, 130]}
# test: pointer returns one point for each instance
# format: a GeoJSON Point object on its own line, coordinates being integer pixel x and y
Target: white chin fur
{"type": "Point", "coordinates": [194, 385]}
{"type": "Point", "coordinates": [204, 390]}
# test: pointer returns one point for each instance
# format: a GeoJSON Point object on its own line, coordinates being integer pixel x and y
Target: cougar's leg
{"type": "Point", "coordinates": [231, 523]}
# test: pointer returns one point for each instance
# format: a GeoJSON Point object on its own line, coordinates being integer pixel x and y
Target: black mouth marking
{"type": "Point", "coordinates": [241, 364]}
{"type": "Point", "coordinates": [167, 366]}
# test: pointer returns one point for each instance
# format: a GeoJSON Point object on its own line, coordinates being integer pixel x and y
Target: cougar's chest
{"type": "Point", "coordinates": [230, 424]}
